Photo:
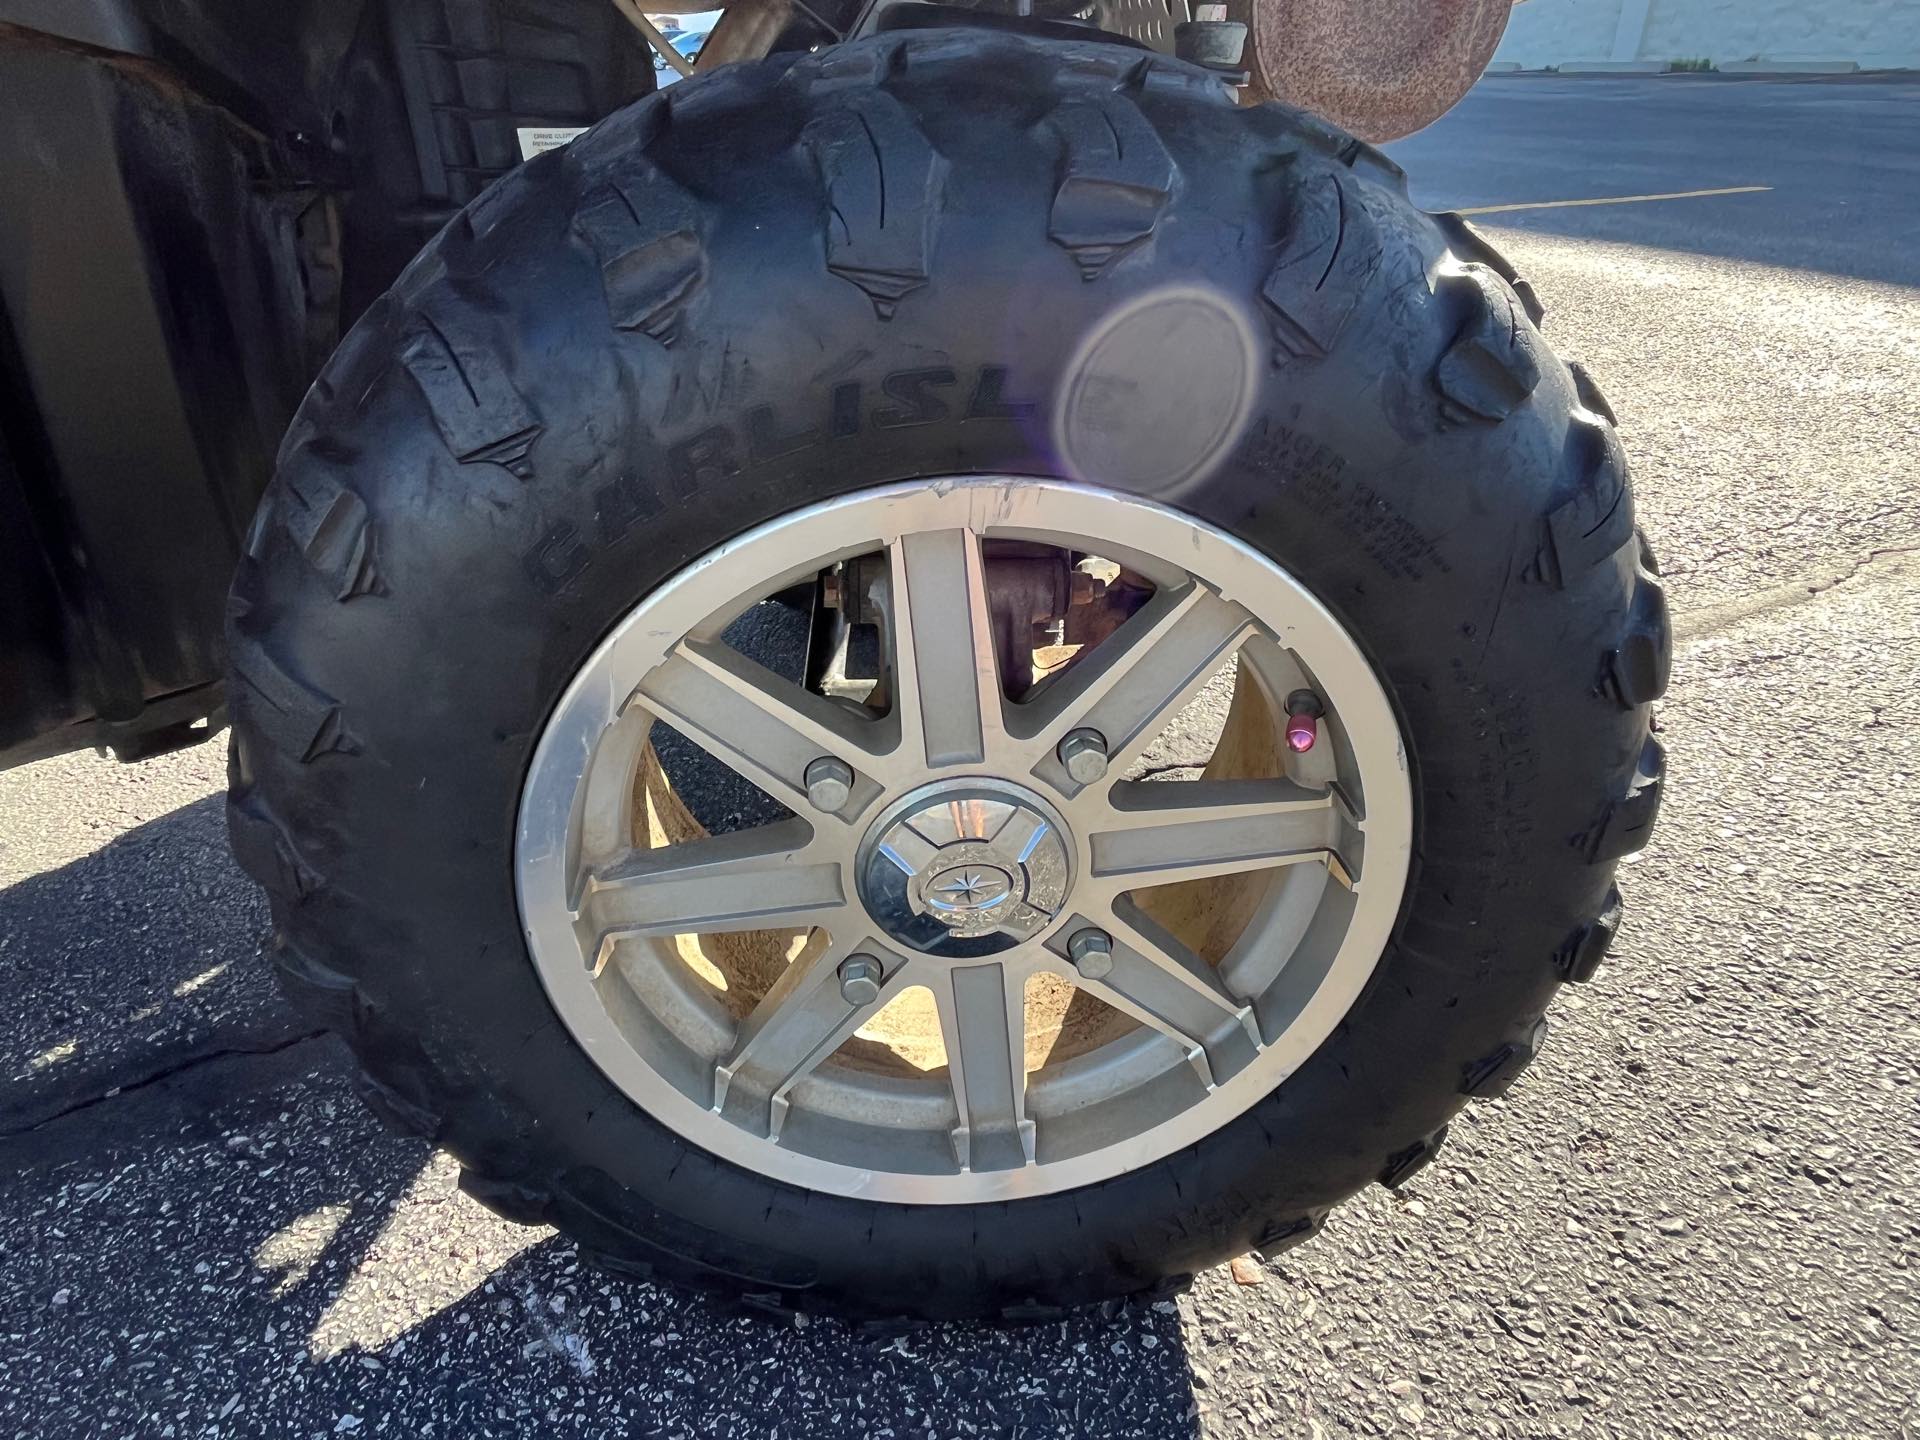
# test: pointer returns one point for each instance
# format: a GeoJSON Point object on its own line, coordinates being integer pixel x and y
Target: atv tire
{"type": "Point", "coordinates": [709, 311]}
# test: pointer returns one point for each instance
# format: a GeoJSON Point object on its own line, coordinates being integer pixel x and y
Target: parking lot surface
{"type": "Point", "coordinates": [1694, 1216]}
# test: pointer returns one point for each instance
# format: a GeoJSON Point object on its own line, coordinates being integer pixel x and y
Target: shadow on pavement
{"type": "Point", "coordinates": [286, 1268]}
{"type": "Point", "coordinates": [130, 962]}
{"type": "Point", "coordinates": [228, 1243]}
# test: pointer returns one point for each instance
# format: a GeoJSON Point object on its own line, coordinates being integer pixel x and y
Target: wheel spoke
{"type": "Point", "coordinates": [766, 878]}
{"type": "Point", "coordinates": [1020, 833]}
{"type": "Point", "coordinates": [1157, 833]}
{"type": "Point", "coordinates": [947, 682]}
{"type": "Point", "coordinates": [765, 728]}
{"type": "Point", "coordinates": [1158, 980]}
{"type": "Point", "coordinates": [983, 1021]}
{"type": "Point", "coordinates": [801, 1020]}
{"type": "Point", "coordinates": [1137, 678]}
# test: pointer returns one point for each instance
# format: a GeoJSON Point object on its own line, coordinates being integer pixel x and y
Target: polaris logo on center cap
{"type": "Point", "coordinates": [969, 889]}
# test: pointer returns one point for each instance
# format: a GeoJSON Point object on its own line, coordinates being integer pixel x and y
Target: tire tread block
{"type": "Point", "coordinates": [1589, 393]}
{"type": "Point", "coordinates": [1327, 259]}
{"type": "Point", "coordinates": [265, 851]}
{"type": "Point", "coordinates": [1493, 367]}
{"type": "Point", "coordinates": [1279, 1238]}
{"type": "Point", "coordinates": [296, 718]}
{"type": "Point", "coordinates": [1493, 1074]}
{"type": "Point", "coordinates": [317, 991]}
{"type": "Point", "coordinates": [1374, 164]}
{"type": "Point", "coordinates": [883, 181]}
{"type": "Point", "coordinates": [648, 235]}
{"type": "Point", "coordinates": [1580, 955]}
{"type": "Point", "coordinates": [1470, 243]}
{"type": "Point", "coordinates": [475, 405]}
{"type": "Point", "coordinates": [509, 1199]}
{"type": "Point", "coordinates": [400, 1113]}
{"type": "Point", "coordinates": [1638, 670]}
{"type": "Point", "coordinates": [330, 524]}
{"type": "Point", "coordinates": [1405, 1163]}
{"type": "Point", "coordinates": [1597, 519]}
{"type": "Point", "coordinates": [1626, 823]}
{"type": "Point", "coordinates": [1117, 180]}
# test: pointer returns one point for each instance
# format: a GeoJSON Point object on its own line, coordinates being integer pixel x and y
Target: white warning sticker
{"type": "Point", "coordinates": [537, 140]}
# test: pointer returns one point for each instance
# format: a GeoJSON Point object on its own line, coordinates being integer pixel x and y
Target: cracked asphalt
{"type": "Point", "coordinates": [1695, 1216]}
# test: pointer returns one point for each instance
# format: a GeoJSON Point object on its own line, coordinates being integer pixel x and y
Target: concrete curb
{"type": "Point", "coordinates": [1614, 67]}
{"type": "Point", "coordinates": [1789, 67]}
{"type": "Point", "coordinates": [1728, 77]}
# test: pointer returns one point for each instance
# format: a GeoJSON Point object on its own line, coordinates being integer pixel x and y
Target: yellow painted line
{"type": "Point", "coordinates": [1614, 200]}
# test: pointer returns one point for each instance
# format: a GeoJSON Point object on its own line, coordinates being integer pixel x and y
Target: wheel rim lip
{"type": "Point", "coordinates": [639, 640]}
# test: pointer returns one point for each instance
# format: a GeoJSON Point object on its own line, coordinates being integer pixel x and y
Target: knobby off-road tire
{"type": "Point", "coordinates": [797, 279]}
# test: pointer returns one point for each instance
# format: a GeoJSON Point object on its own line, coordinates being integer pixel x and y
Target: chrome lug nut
{"type": "Point", "coordinates": [1092, 953]}
{"type": "Point", "coordinates": [829, 783]}
{"type": "Point", "coordinates": [860, 977]}
{"type": "Point", "coordinates": [1084, 753]}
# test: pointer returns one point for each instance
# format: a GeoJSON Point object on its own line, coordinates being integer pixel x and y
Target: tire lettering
{"type": "Point", "coordinates": [622, 505]}
{"type": "Point", "coordinates": [618, 507]}
{"type": "Point", "coordinates": [557, 560]}
{"type": "Point", "coordinates": [913, 389]}
{"type": "Point", "coordinates": [765, 442]}
{"type": "Point", "coordinates": [989, 402]}
{"type": "Point", "coordinates": [708, 456]}
{"type": "Point", "coordinates": [846, 410]}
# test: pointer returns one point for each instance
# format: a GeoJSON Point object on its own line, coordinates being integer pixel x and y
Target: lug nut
{"type": "Point", "coordinates": [860, 977]}
{"type": "Point", "coordinates": [1084, 753]}
{"type": "Point", "coordinates": [1304, 710]}
{"type": "Point", "coordinates": [1092, 953]}
{"type": "Point", "coordinates": [829, 783]}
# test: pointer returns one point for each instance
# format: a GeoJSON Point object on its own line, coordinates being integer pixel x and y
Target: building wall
{"type": "Point", "coordinates": [1875, 33]}
{"type": "Point", "coordinates": [1545, 32]}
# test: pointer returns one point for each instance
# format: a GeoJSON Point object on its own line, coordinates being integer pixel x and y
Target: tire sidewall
{"type": "Point", "coordinates": [495, 586]}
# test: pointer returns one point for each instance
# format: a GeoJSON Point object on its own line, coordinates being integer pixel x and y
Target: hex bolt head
{"type": "Point", "coordinates": [1091, 952]}
{"type": "Point", "coordinates": [860, 977]}
{"type": "Point", "coordinates": [1084, 753]}
{"type": "Point", "coordinates": [829, 783]}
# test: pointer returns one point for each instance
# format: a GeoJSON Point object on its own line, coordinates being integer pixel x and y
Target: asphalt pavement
{"type": "Point", "coordinates": [1694, 1216]}
{"type": "Point", "coordinates": [1836, 155]}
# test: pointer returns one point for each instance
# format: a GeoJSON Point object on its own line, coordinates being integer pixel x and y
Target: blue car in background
{"type": "Point", "coordinates": [686, 33]}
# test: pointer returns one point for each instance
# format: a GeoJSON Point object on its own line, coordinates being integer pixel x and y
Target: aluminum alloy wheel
{"type": "Point", "coordinates": [957, 854]}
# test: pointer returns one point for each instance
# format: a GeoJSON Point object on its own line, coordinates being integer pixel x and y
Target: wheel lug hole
{"type": "Point", "coordinates": [1084, 754]}
{"type": "Point", "coordinates": [829, 783]}
{"type": "Point", "coordinates": [860, 977]}
{"type": "Point", "coordinates": [1092, 953]}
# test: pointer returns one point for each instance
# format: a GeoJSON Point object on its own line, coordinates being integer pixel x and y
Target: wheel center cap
{"type": "Point", "coordinates": [967, 890]}
{"type": "Point", "coordinates": [964, 868]}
